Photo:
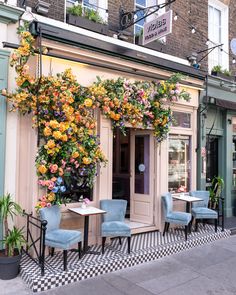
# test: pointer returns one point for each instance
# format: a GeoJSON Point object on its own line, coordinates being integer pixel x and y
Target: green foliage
{"type": "Point", "coordinates": [88, 13]}
{"type": "Point", "coordinates": [219, 69]}
{"type": "Point", "coordinates": [14, 240]}
{"type": "Point", "coordinates": [9, 208]}
{"type": "Point", "coordinates": [217, 186]}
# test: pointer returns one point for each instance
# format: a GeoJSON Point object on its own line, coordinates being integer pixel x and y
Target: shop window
{"type": "Point", "coordinates": [181, 120]}
{"type": "Point", "coordinates": [138, 27]}
{"type": "Point", "coordinates": [179, 169]}
{"type": "Point", "coordinates": [218, 34]}
{"type": "Point", "coordinates": [98, 5]}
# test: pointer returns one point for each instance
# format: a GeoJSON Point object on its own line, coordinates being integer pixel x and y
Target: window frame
{"type": "Point", "coordinates": [224, 9]}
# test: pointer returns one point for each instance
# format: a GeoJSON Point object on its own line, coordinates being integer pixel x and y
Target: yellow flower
{"type": "Point", "coordinates": [51, 144]}
{"type": "Point", "coordinates": [57, 134]}
{"type": "Point", "coordinates": [54, 124]}
{"type": "Point", "coordinates": [47, 131]}
{"type": "Point", "coordinates": [51, 197]}
{"type": "Point", "coordinates": [62, 127]}
{"type": "Point", "coordinates": [88, 102]}
{"type": "Point", "coordinates": [42, 169]}
{"type": "Point", "coordinates": [86, 161]}
{"type": "Point", "coordinates": [75, 155]}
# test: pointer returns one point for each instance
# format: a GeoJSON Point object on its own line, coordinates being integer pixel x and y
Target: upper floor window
{"type": "Point", "coordinates": [138, 27]}
{"type": "Point", "coordinates": [218, 34]}
{"type": "Point", "coordinates": [99, 6]}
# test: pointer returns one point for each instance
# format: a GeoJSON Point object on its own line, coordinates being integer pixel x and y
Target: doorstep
{"type": "Point", "coordinates": [144, 247]}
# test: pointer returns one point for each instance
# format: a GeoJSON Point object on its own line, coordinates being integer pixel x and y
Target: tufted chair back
{"type": "Point", "coordinates": [52, 215]}
{"type": "Point", "coordinates": [115, 210]}
{"type": "Point", "coordinates": [167, 203]}
{"type": "Point", "coordinates": [204, 195]}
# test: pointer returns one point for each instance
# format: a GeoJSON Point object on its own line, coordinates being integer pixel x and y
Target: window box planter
{"type": "Point", "coordinates": [85, 23]}
{"type": "Point", "coordinates": [155, 45]}
{"type": "Point", "coordinates": [223, 76]}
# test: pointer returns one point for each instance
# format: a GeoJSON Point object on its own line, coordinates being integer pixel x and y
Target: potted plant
{"type": "Point", "coordinates": [217, 186]}
{"type": "Point", "coordinates": [13, 239]}
{"type": "Point", "coordinates": [86, 18]}
{"type": "Point", "coordinates": [220, 72]}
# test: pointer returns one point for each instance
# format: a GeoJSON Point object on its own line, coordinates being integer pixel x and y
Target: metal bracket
{"type": "Point", "coordinates": [128, 19]}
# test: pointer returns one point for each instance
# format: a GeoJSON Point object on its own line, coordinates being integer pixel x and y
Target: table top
{"type": "Point", "coordinates": [187, 198]}
{"type": "Point", "coordinates": [89, 210]}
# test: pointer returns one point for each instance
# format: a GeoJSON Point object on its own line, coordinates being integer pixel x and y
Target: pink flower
{"type": "Point", "coordinates": [43, 198]}
{"type": "Point", "coordinates": [49, 205]}
{"type": "Point", "coordinates": [86, 201]}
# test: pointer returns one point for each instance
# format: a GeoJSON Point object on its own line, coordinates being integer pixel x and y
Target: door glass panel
{"type": "Point", "coordinates": [179, 170]}
{"type": "Point", "coordinates": [142, 162]}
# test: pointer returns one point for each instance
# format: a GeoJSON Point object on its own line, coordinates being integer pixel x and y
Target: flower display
{"type": "Point", "coordinates": [63, 113]}
{"type": "Point", "coordinates": [145, 104]}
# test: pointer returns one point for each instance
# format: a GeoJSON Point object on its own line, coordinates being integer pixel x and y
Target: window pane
{"type": "Point", "coordinates": [181, 120]}
{"type": "Point", "coordinates": [141, 2]}
{"type": "Point", "coordinates": [142, 153]}
{"type": "Point", "coordinates": [179, 169]}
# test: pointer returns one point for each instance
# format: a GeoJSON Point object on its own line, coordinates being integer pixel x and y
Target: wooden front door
{"type": "Point", "coordinates": [142, 176]}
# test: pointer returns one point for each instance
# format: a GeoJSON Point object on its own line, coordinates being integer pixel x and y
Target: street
{"type": "Point", "coordinates": [208, 269]}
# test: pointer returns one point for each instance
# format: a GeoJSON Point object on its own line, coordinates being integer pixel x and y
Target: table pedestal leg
{"type": "Point", "coordinates": [86, 229]}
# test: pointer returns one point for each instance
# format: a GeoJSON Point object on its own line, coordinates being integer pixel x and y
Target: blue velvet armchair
{"type": "Point", "coordinates": [200, 209]}
{"type": "Point", "coordinates": [113, 224]}
{"type": "Point", "coordinates": [56, 237]}
{"type": "Point", "coordinates": [175, 217]}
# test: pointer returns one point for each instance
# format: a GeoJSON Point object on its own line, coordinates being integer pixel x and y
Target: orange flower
{"type": "Point", "coordinates": [47, 131]}
{"type": "Point", "coordinates": [54, 124]}
{"type": "Point", "coordinates": [42, 169]}
{"type": "Point", "coordinates": [57, 134]}
{"type": "Point", "coordinates": [51, 144]}
{"type": "Point", "coordinates": [75, 155]}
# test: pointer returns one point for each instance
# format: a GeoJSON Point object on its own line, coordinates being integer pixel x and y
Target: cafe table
{"type": "Point", "coordinates": [188, 199]}
{"type": "Point", "coordinates": [86, 212]}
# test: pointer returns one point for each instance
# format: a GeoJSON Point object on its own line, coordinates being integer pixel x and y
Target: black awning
{"type": "Point", "coordinates": [82, 41]}
{"type": "Point", "coordinates": [226, 104]}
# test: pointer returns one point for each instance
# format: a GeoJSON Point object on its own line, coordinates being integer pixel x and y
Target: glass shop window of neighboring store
{"type": "Point", "coordinates": [99, 6]}
{"type": "Point", "coordinates": [234, 151]}
{"type": "Point", "coordinates": [179, 168]}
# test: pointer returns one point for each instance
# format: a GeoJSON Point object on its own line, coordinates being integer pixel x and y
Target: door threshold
{"type": "Point", "coordinates": [139, 227]}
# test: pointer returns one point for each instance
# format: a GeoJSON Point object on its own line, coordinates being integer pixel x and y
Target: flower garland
{"type": "Point", "coordinates": [145, 104]}
{"type": "Point", "coordinates": [63, 112]}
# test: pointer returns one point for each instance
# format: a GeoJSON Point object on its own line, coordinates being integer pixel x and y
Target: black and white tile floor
{"type": "Point", "coordinates": [144, 247]}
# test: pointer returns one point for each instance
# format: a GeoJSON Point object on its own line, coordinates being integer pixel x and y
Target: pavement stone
{"type": "Point", "coordinates": [206, 270]}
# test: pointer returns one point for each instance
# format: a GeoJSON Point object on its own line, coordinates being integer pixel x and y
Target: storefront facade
{"type": "Point", "coordinates": [138, 168]}
{"type": "Point", "coordinates": [216, 152]}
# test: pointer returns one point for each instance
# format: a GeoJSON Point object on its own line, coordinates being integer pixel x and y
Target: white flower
{"type": "Point", "coordinates": [76, 3]}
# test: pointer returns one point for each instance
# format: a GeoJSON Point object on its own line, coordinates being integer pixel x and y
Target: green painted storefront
{"type": "Point", "coordinates": [217, 138]}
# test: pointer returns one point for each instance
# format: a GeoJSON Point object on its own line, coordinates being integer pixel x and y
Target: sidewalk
{"type": "Point", "coordinates": [206, 270]}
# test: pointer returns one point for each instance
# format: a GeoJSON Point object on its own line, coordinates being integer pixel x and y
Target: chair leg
{"type": "Point", "coordinates": [65, 259]}
{"type": "Point", "coordinates": [196, 224]}
{"type": "Point", "coordinates": [103, 244]}
{"type": "Point", "coordinates": [165, 228]}
{"type": "Point", "coordinates": [168, 225]}
{"type": "Point", "coordinates": [52, 251]}
{"type": "Point", "coordinates": [129, 240]}
{"type": "Point", "coordinates": [204, 223]}
{"type": "Point", "coordinates": [186, 232]}
{"type": "Point", "coordinates": [79, 249]}
{"type": "Point", "coordinates": [120, 240]}
{"type": "Point", "coordinates": [190, 227]}
{"type": "Point", "coordinates": [216, 221]}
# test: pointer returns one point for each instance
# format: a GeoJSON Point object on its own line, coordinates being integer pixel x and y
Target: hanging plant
{"type": "Point", "coordinates": [63, 113]}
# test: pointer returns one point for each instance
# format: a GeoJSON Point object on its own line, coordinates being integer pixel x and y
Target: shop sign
{"type": "Point", "coordinates": [157, 28]}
